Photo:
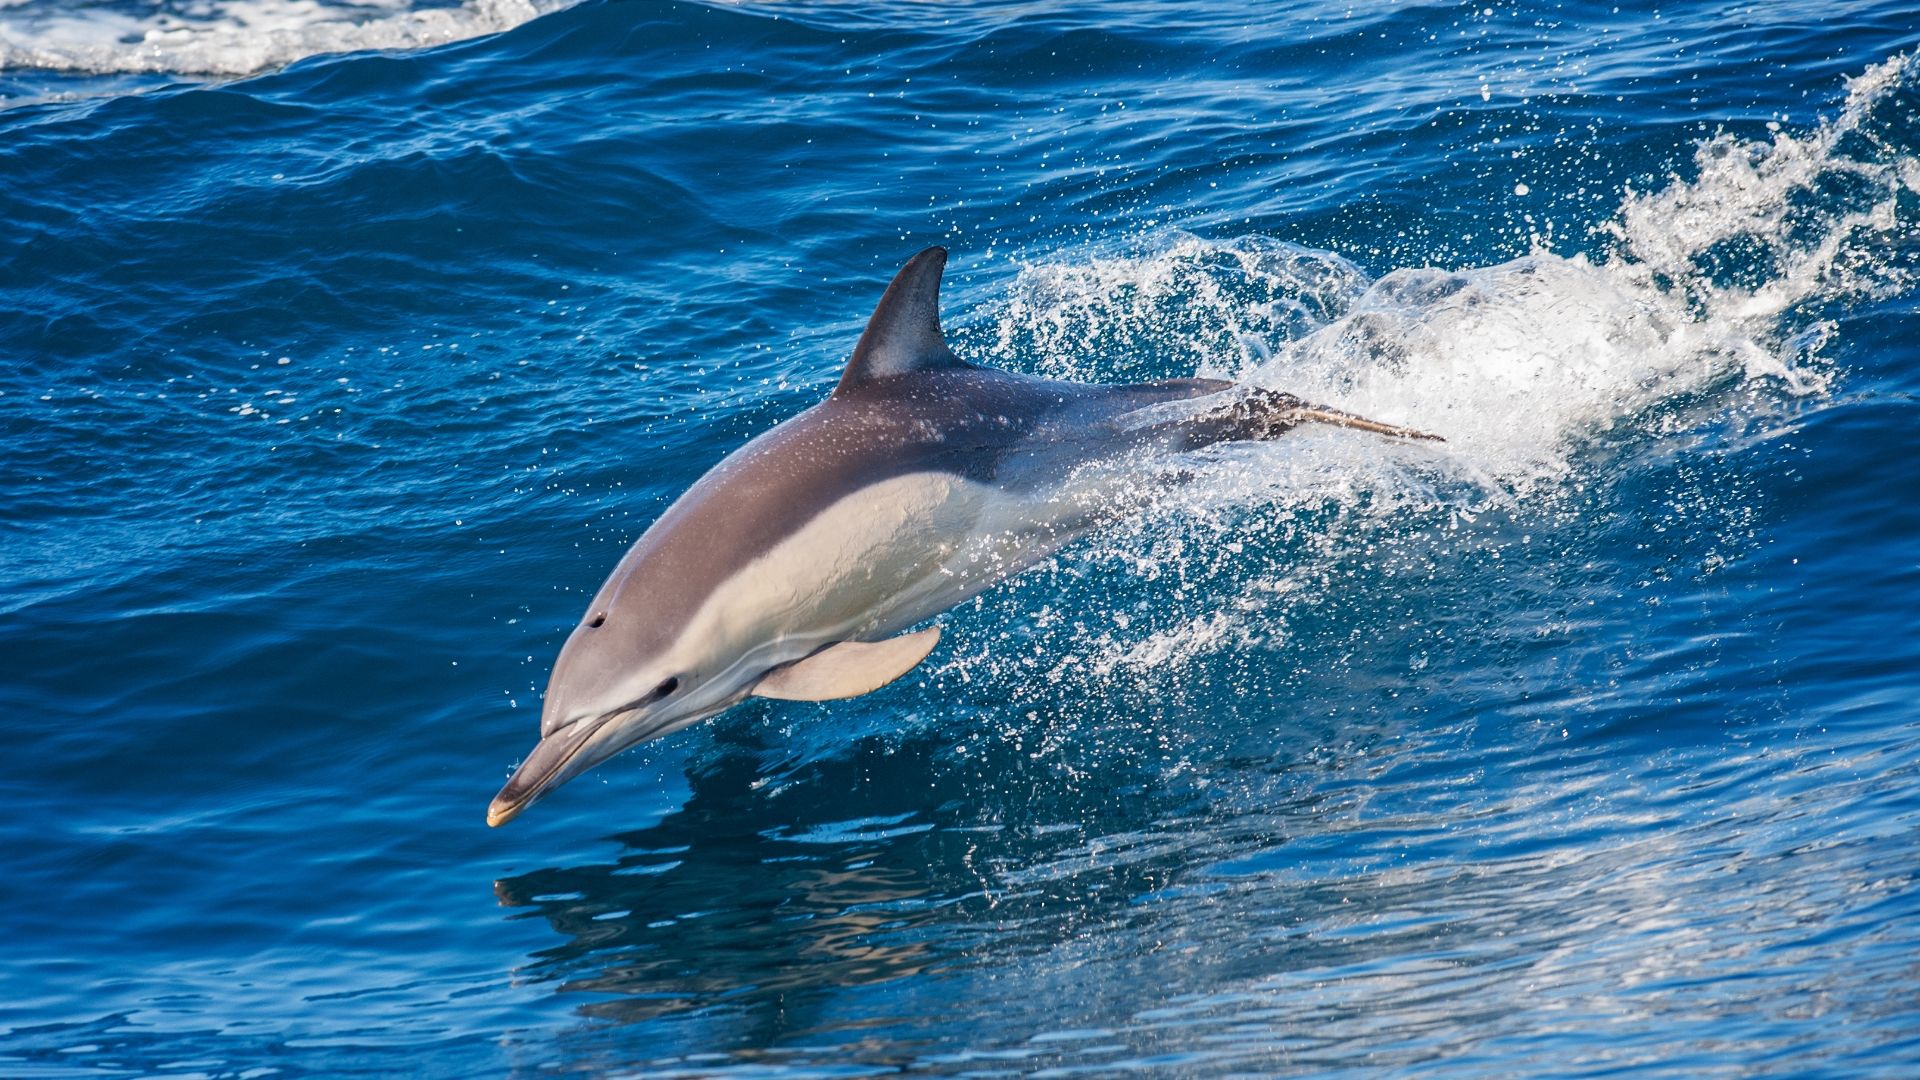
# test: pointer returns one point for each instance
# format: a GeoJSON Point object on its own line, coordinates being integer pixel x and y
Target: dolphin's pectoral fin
{"type": "Point", "coordinates": [848, 668]}
{"type": "Point", "coordinates": [1268, 414]}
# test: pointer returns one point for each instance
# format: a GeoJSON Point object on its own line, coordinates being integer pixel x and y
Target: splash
{"type": "Point", "coordinates": [234, 37]}
{"type": "Point", "coordinates": [1708, 283]}
{"type": "Point", "coordinates": [1711, 298]}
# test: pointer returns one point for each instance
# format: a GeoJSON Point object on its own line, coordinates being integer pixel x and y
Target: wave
{"type": "Point", "coordinates": [234, 37]}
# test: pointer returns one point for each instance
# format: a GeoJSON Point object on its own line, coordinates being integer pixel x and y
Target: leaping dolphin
{"type": "Point", "coordinates": [792, 568]}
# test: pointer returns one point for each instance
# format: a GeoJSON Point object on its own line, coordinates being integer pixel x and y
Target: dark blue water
{"type": "Point", "coordinates": [1584, 744]}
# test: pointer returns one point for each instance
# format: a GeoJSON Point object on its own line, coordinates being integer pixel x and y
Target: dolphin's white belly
{"type": "Point", "coordinates": [887, 556]}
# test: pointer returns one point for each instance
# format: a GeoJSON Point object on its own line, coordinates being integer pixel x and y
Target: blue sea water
{"type": "Point", "coordinates": [333, 383]}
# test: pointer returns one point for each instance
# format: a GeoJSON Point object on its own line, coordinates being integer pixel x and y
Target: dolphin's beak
{"type": "Point", "coordinates": [554, 761]}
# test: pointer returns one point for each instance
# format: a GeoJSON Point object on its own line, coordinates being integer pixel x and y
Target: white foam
{"type": "Point", "coordinates": [1713, 291]}
{"type": "Point", "coordinates": [1517, 363]}
{"type": "Point", "coordinates": [234, 37]}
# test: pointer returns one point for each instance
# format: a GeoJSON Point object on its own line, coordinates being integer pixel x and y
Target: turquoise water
{"type": "Point", "coordinates": [1583, 744]}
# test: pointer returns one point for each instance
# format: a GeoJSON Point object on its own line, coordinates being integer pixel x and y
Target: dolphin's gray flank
{"type": "Point", "coordinates": [919, 482]}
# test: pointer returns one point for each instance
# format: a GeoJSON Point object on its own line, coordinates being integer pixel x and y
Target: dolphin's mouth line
{"type": "Point", "coordinates": [533, 788]}
{"type": "Point", "coordinates": [568, 742]}
{"type": "Point", "coordinates": [592, 728]}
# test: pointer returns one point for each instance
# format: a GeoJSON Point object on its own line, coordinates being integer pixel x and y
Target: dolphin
{"type": "Point", "coordinates": [796, 567]}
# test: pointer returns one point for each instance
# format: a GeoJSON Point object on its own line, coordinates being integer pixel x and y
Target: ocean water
{"type": "Point", "coordinates": [343, 349]}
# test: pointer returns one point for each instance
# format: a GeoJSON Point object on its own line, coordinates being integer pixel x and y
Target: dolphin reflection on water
{"type": "Point", "coordinates": [793, 568]}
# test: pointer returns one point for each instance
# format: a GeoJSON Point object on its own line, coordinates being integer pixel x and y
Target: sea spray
{"type": "Point", "coordinates": [1538, 371]}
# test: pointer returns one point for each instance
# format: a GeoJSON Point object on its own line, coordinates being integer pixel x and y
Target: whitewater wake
{"type": "Point", "coordinates": [1711, 305]}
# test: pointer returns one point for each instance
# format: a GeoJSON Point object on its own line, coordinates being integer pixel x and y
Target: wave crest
{"type": "Point", "coordinates": [235, 37]}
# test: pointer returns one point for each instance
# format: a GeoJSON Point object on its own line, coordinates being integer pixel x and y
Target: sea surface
{"type": "Point", "coordinates": [345, 347]}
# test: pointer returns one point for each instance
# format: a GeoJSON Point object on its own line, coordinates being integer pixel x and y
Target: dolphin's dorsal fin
{"type": "Point", "coordinates": [904, 333]}
{"type": "Point", "coordinates": [848, 668]}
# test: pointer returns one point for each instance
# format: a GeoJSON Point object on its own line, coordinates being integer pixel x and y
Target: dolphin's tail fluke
{"type": "Point", "coordinates": [1320, 414]}
{"type": "Point", "coordinates": [1267, 414]}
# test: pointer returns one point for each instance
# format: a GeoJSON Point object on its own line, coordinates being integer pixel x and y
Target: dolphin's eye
{"type": "Point", "coordinates": [599, 619]}
{"type": "Point", "coordinates": [659, 692]}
